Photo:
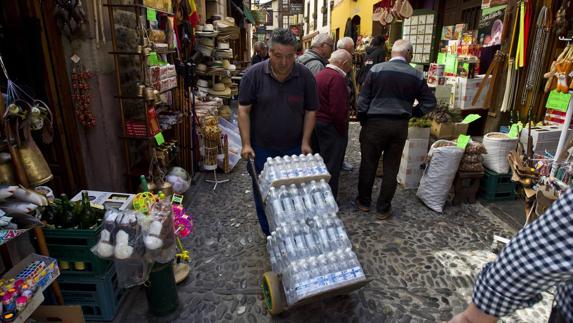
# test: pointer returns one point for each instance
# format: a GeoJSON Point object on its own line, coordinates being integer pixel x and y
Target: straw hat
{"type": "Point", "coordinates": [208, 31]}
{"type": "Point", "coordinates": [227, 81]}
{"type": "Point", "coordinates": [207, 41]}
{"type": "Point", "coordinates": [203, 86]}
{"type": "Point", "coordinates": [202, 83]}
{"type": "Point", "coordinates": [225, 22]}
{"type": "Point", "coordinates": [223, 45]}
{"type": "Point", "coordinates": [201, 68]}
{"type": "Point", "coordinates": [220, 89]}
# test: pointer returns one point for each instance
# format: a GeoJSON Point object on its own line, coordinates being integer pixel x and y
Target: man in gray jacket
{"type": "Point", "coordinates": [316, 57]}
{"type": "Point", "coordinates": [384, 107]}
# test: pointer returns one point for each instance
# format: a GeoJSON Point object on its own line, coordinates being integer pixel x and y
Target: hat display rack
{"type": "Point", "coordinates": [213, 72]}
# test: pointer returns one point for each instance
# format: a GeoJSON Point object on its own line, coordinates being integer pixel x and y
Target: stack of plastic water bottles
{"type": "Point", "coordinates": [308, 244]}
{"type": "Point", "coordinates": [289, 167]}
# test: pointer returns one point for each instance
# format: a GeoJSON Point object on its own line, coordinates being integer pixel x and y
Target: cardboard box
{"type": "Point", "coordinates": [120, 201]}
{"type": "Point", "coordinates": [465, 92]}
{"type": "Point", "coordinates": [419, 133]}
{"type": "Point", "coordinates": [59, 313]}
{"type": "Point", "coordinates": [544, 138]}
{"type": "Point", "coordinates": [413, 156]}
{"type": "Point", "coordinates": [448, 130]}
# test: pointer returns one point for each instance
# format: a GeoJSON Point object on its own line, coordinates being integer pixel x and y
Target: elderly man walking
{"type": "Point", "coordinates": [316, 57]}
{"type": "Point", "coordinates": [347, 44]}
{"type": "Point", "coordinates": [331, 130]}
{"type": "Point", "coordinates": [277, 103]}
{"type": "Point", "coordinates": [384, 108]}
{"type": "Point", "coordinates": [261, 53]}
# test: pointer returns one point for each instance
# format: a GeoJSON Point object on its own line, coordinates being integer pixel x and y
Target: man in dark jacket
{"type": "Point", "coordinates": [316, 57]}
{"type": "Point", "coordinates": [331, 129]}
{"type": "Point", "coordinates": [384, 108]}
{"type": "Point", "coordinates": [261, 53]}
{"type": "Point", "coordinates": [375, 53]}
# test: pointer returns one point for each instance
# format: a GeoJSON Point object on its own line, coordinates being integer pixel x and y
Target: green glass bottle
{"type": "Point", "coordinates": [87, 217]}
{"type": "Point", "coordinates": [143, 184]}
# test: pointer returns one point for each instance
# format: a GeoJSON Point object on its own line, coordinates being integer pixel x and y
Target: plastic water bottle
{"type": "Point", "coordinates": [286, 200]}
{"type": "Point", "coordinates": [311, 243]}
{"type": "Point", "coordinates": [355, 268]}
{"type": "Point", "coordinates": [272, 255]}
{"type": "Point", "coordinates": [332, 234]}
{"type": "Point", "coordinates": [284, 234]}
{"type": "Point", "coordinates": [329, 201]}
{"type": "Point", "coordinates": [341, 232]}
{"type": "Point", "coordinates": [321, 235]}
{"type": "Point", "coordinates": [305, 166]}
{"type": "Point", "coordinates": [299, 240]}
{"type": "Point", "coordinates": [321, 167]}
{"type": "Point", "coordinates": [318, 198]}
{"type": "Point", "coordinates": [282, 172]}
{"type": "Point", "coordinates": [308, 201]}
{"type": "Point", "coordinates": [298, 203]}
{"type": "Point", "coordinates": [278, 213]}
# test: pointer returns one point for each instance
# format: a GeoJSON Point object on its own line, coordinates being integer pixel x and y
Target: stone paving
{"type": "Point", "coordinates": [422, 264]}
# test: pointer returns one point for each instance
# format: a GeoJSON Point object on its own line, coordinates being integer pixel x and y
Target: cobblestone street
{"type": "Point", "coordinates": [422, 264]}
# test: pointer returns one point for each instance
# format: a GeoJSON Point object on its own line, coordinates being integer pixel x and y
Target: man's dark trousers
{"type": "Point", "coordinates": [331, 145]}
{"type": "Point", "coordinates": [379, 135]}
{"type": "Point", "coordinates": [261, 155]}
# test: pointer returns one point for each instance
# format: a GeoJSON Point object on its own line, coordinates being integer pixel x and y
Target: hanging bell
{"type": "Point", "coordinates": [6, 170]}
{"type": "Point", "coordinates": [37, 169]}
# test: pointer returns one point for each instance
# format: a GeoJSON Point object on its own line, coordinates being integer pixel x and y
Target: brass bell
{"type": "Point", "coordinates": [37, 169]}
{"type": "Point", "coordinates": [6, 170]}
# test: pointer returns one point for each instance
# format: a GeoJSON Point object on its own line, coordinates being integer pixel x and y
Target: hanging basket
{"type": "Point", "coordinates": [260, 16]}
{"type": "Point", "coordinates": [498, 146]}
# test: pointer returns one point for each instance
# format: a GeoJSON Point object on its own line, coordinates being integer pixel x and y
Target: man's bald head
{"type": "Point", "coordinates": [402, 48]}
{"type": "Point", "coordinates": [342, 59]}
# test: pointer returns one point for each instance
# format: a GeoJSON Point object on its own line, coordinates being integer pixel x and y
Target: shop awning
{"type": "Point", "coordinates": [249, 15]}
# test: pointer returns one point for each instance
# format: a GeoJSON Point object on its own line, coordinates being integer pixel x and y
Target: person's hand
{"type": "Point", "coordinates": [305, 149]}
{"type": "Point", "coordinates": [247, 152]}
{"type": "Point", "coordinates": [460, 318]}
{"type": "Point", "coordinates": [473, 314]}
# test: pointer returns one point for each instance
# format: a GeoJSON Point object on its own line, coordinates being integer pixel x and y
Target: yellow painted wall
{"type": "Point", "coordinates": [348, 9]}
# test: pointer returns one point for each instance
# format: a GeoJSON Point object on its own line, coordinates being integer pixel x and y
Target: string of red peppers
{"type": "Point", "coordinates": [82, 97]}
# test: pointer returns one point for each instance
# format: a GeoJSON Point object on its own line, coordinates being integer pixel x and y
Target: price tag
{"type": "Point", "coordinates": [463, 141]}
{"type": "Point", "coordinates": [151, 15]}
{"type": "Point", "coordinates": [159, 139]}
{"type": "Point", "coordinates": [441, 58]}
{"type": "Point", "coordinates": [471, 118]}
{"type": "Point", "coordinates": [153, 59]}
{"type": "Point", "coordinates": [514, 130]}
{"type": "Point", "coordinates": [558, 101]}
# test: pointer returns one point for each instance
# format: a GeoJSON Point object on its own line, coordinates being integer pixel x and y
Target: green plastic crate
{"type": "Point", "coordinates": [493, 183]}
{"type": "Point", "coordinates": [499, 196]}
{"type": "Point", "coordinates": [73, 245]}
{"type": "Point", "coordinates": [99, 298]}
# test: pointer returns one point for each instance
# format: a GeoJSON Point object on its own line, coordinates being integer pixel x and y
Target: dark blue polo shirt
{"type": "Point", "coordinates": [277, 108]}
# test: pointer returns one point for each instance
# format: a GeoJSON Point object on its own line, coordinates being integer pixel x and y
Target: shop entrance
{"type": "Point", "coordinates": [31, 47]}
